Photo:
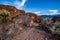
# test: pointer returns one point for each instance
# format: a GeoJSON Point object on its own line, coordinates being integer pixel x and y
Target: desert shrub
{"type": "Point", "coordinates": [44, 27]}
{"type": "Point", "coordinates": [4, 15]}
{"type": "Point", "coordinates": [1, 18]}
{"type": "Point", "coordinates": [55, 29]}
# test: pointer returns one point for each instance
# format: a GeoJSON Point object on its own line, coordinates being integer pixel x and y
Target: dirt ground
{"type": "Point", "coordinates": [33, 34]}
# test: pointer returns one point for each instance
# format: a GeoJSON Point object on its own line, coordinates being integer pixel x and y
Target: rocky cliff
{"type": "Point", "coordinates": [13, 10]}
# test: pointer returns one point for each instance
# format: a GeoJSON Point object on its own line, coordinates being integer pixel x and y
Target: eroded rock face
{"type": "Point", "coordinates": [13, 10]}
{"type": "Point", "coordinates": [9, 12]}
{"type": "Point", "coordinates": [39, 19]}
{"type": "Point", "coordinates": [27, 20]}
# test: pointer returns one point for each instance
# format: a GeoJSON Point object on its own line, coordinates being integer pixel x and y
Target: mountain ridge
{"type": "Point", "coordinates": [50, 16]}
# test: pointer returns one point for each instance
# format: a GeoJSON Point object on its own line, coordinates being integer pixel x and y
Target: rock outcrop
{"type": "Point", "coordinates": [13, 10]}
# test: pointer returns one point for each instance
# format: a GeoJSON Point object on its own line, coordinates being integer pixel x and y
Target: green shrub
{"type": "Point", "coordinates": [4, 15]}
{"type": "Point", "coordinates": [55, 29]}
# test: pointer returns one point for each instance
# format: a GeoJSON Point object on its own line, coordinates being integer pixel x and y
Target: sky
{"type": "Point", "coordinates": [39, 7]}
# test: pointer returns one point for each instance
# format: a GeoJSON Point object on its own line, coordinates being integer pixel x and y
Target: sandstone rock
{"type": "Point", "coordinates": [13, 10]}
{"type": "Point", "coordinates": [26, 20]}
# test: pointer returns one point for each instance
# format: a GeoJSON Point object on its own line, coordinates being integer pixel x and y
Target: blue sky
{"type": "Point", "coordinates": [39, 7]}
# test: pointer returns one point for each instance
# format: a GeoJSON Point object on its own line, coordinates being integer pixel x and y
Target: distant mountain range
{"type": "Point", "coordinates": [50, 16]}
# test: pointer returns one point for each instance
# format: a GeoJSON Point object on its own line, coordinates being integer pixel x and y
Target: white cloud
{"type": "Point", "coordinates": [37, 12]}
{"type": "Point", "coordinates": [22, 3]}
{"type": "Point", "coordinates": [51, 12]}
{"type": "Point", "coordinates": [18, 4]}
{"type": "Point", "coordinates": [6, 3]}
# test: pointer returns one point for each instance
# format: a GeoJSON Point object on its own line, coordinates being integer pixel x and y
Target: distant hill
{"type": "Point", "coordinates": [50, 16]}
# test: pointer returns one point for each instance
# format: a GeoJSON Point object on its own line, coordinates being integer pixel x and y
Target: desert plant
{"type": "Point", "coordinates": [4, 16]}
{"type": "Point", "coordinates": [55, 29]}
{"type": "Point", "coordinates": [1, 18]}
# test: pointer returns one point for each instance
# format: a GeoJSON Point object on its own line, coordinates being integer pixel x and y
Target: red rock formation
{"type": "Point", "coordinates": [38, 19]}
{"type": "Point", "coordinates": [31, 15]}
{"type": "Point", "coordinates": [26, 19]}
{"type": "Point", "coordinates": [13, 11]}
